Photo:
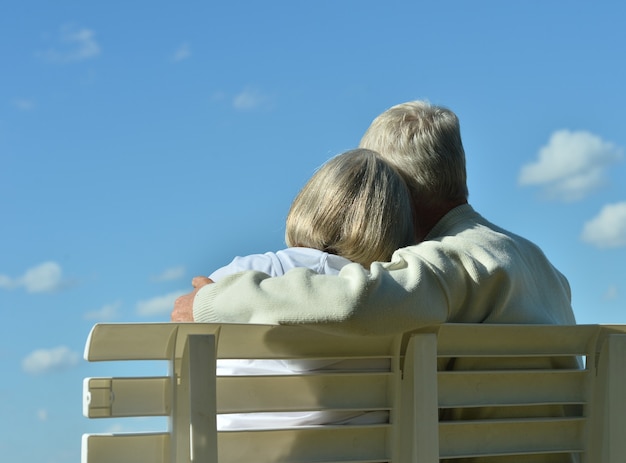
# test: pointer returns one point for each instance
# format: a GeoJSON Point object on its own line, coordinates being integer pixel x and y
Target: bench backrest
{"type": "Point", "coordinates": [449, 392]}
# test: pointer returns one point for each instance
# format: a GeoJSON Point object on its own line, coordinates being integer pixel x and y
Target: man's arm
{"type": "Point", "coordinates": [391, 297]}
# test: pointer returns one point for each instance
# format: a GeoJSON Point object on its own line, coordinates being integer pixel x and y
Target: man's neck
{"type": "Point", "coordinates": [427, 216]}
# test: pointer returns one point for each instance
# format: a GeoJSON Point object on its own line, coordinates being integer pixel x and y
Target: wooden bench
{"type": "Point", "coordinates": [490, 392]}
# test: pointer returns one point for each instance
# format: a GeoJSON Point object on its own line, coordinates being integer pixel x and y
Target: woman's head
{"type": "Point", "coordinates": [356, 206]}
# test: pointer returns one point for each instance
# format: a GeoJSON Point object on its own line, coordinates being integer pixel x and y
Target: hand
{"type": "Point", "coordinates": [199, 282]}
{"type": "Point", "coordinates": [183, 306]}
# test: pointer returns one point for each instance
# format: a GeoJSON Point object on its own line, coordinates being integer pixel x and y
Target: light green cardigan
{"type": "Point", "coordinates": [467, 270]}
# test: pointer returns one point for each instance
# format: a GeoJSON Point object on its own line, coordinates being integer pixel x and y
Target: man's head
{"type": "Point", "coordinates": [424, 143]}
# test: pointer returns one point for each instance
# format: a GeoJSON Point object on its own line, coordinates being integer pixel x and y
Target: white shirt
{"type": "Point", "coordinates": [278, 263]}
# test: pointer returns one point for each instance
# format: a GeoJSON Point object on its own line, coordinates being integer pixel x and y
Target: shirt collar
{"type": "Point", "coordinates": [454, 216]}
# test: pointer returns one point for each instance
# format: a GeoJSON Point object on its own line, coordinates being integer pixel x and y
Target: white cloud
{"type": "Point", "coordinates": [571, 165]}
{"type": "Point", "coordinates": [219, 96]}
{"type": "Point", "coordinates": [160, 305]}
{"type": "Point", "coordinates": [24, 104]}
{"type": "Point", "coordinates": [182, 53]}
{"type": "Point", "coordinates": [48, 360]}
{"type": "Point", "coordinates": [611, 293]}
{"type": "Point", "coordinates": [45, 277]}
{"type": "Point", "coordinates": [174, 273]}
{"type": "Point", "coordinates": [106, 312]}
{"type": "Point", "coordinates": [42, 414]}
{"type": "Point", "coordinates": [608, 228]}
{"type": "Point", "coordinates": [250, 99]}
{"type": "Point", "coordinates": [115, 428]}
{"type": "Point", "coordinates": [75, 45]}
{"type": "Point", "coordinates": [7, 282]}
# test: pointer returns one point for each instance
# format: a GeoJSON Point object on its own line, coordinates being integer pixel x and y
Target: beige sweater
{"type": "Point", "coordinates": [467, 270]}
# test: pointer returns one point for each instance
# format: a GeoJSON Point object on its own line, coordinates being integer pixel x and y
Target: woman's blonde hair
{"type": "Point", "coordinates": [356, 206]}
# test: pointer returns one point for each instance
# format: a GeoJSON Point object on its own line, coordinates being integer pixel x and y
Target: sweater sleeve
{"type": "Point", "coordinates": [391, 297]}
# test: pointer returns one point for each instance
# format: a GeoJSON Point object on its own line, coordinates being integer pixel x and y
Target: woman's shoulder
{"type": "Point", "coordinates": [314, 259]}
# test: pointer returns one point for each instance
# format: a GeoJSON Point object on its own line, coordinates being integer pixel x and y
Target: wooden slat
{"type": "Point", "coordinates": [614, 366]}
{"type": "Point", "coordinates": [162, 341]}
{"type": "Point", "coordinates": [312, 444]}
{"type": "Point", "coordinates": [236, 394]}
{"type": "Point", "coordinates": [460, 340]}
{"type": "Point", "coordinates": [201, 424]}
{"type": "Point", "coordinates": [262, 341]}
{"type": "Point", "coordinates": [130, 342]}
{"type": "Point", "coordinates": [466, 439]}
{"type": "Point", "coordinates": [511, 387]}
{"type": "Point", "coordinates": [123, 397]}
{"type": "Point", "coordinates": [125, 448]}
{"type": "Point", "coordinates": [417, 431]}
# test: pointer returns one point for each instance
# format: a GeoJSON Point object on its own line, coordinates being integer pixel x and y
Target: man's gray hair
{"type": "Point", "coordinates": [423, 142]}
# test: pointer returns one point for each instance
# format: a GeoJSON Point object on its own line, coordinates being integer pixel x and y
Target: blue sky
{"type": "Point", "coordinates": [142, 143]}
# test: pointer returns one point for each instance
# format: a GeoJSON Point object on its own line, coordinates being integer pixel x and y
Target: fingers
{"type": "Point", "coordinates": [199, 282]}
{"type": "Point", "coordinates": [183, 308]}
